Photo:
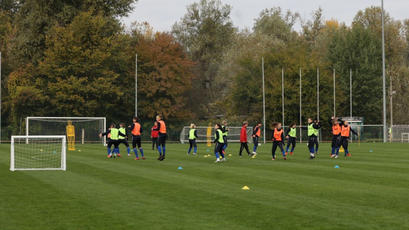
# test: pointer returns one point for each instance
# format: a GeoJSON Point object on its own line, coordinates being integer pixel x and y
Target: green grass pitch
{"type": "Point", "coordinates": [369, 191]}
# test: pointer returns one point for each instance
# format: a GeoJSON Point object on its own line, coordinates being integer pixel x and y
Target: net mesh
{"type": "Point", "coordinates": [86, 130]}
{"type": "Point", "coordinates": [399, 133]}
{"type": "Point", "coordinates": [204, 136]}
{"type": "Point", "coordinates": [36, 153]}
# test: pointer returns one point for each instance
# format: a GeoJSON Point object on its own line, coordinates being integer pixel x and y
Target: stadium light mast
{"type": "Point", "coordinates": [300, 105]}
{"type": "Point", "coordinates": [383, 74]}
{"type": "Point", "coordinates": [0, 97]}
{"type": "Point", "coordinates": [333, 77]}
{"type": "Point", "coordinates": [318, 93]}
{"type": "Point", "coordinates": [282, 95]}
{"type": "Point", "coordinates": [136, 85]}
{"type": "Point", "coordinates": [350, 93]}
{"type": "Point", "coordinates": [264, 101]}
{"type": "Point", "coordinates": [392, 92]}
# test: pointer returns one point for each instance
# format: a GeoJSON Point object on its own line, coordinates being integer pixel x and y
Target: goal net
{"type": "Point", "coordinates": [78, 130]}
{"type": "Point", "coordinates": [399, 133]}
{"type": "Point", "coordinates": [41, 153]}
{"type": "Point", "coordinates": [206, 134]}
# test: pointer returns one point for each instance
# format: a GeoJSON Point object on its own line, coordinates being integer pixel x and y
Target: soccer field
{"type": "Point", "coordinates": [369, 191]}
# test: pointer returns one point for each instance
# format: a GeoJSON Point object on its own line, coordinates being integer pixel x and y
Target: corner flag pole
{"type": "Point", "coordinates": [136, 85]}
{"type": "Point", "coordinates": [383, 74]}
{"type": "Point", "coordinates": [264, 101]}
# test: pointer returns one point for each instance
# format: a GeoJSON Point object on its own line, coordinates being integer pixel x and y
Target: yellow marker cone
{"type": "Point", "coordinates": [245, 188]}
{"type": "Point", "coordinates": [341, 150]}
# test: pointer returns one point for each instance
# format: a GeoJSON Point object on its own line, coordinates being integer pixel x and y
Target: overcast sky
{"type": "Point", "coordinates": [162, 14]}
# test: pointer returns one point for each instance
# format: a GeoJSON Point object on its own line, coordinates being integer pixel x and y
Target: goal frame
{"type": "Point", "coordinates": [67, 118]}
{"type": "Point", "coordinates": [403, 135]}
{"type": "Point", "coordinates": [63, 153]}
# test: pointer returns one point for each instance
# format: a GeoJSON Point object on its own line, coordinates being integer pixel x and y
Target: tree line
{"type": "Point", "coordinates": [76, 58]}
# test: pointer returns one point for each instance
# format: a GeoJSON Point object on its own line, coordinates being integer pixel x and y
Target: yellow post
{"type": "Point", "coordinates": [70, 136]}
{"type": "Point", "coordinates": [209, 135]}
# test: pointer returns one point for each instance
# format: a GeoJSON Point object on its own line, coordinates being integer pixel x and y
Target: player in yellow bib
{"type": "Point", "coordinates": [113, 133]}
{"type": "Point", "coordinates": [70, 129]}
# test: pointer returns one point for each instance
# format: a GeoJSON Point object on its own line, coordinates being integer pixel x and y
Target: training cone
{"type": "Point", "coordinates": [341, 150]}
{"type": "Point", "coordinates": [245, 188]}
{"type": "Point", "coordinates": [180, 168]}
{"type": "Point", "coordinates": [371, 151]}
{"type": "Point", "coordinates": [336, 166]}
{"type": "Point", "coordinates": [229, 155]}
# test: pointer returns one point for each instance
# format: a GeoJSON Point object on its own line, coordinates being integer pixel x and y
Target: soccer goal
{"type": "Point", "coordinates": [38, 153]}
{"type": "Point", "coordinates": [206, 134]}
{"type": "Point", "coordinates": [79, 130]}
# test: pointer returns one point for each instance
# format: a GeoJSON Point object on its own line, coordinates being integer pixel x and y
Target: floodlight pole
{"type": "Point", "coordinates": [318, 94]}
{"type": "Point", "coordinates": [282, 94]}
{"type": "Point", "coordinates": [300, 105]}
{"type": "Point", "coordinates": [0, 98]}
{"type": "Point", "coordinates": [333, 77]}
{"type": "Point", "coordinates": [264, 101]}
{"type": "Point", "coordinates": [350, 93]}
{"type": "Point", "coordinates": [383, 74]}
{"type": "Point", "coordinates": [391, 107]}
{"type": "Point", "coordinates": [136, 85]}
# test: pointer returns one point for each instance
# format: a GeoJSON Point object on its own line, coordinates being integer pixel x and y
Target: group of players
{"type": "Point", "coordinates": [116, 136]}
{"type": "Point", "coordinates": [341, 132]}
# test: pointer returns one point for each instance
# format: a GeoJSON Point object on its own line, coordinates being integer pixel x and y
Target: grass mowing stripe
{"type": "Point", "coordinates": [281, 181]}
{"type": "Point", "coordinates": [296, 194]}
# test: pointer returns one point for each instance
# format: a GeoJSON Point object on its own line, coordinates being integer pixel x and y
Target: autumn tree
{"type": "Point", "coordinates": [165, 75]}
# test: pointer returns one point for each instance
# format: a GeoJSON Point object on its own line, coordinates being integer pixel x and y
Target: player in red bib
{"type": "Point", "coordinates": [154, 135]}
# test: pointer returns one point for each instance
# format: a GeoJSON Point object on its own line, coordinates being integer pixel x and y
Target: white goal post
{"type": "Point", "coordinates": [405, 137]}
{"type": "Point", "coordinates": [86, 128]}
{"type": "Point", "coordinates": [205, 136]}
{"type": "Point", "coordinates": [41, 153]}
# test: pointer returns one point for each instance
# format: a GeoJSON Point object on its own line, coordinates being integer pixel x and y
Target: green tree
{"type": "Point", "coordinates": [78, 74]}
{"type": "Point", "coordinates": [206, 31]}
{"type": "Point", "coordinates": [273, 23]}
{"type": "Point", "coordinates": [34, 19]}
